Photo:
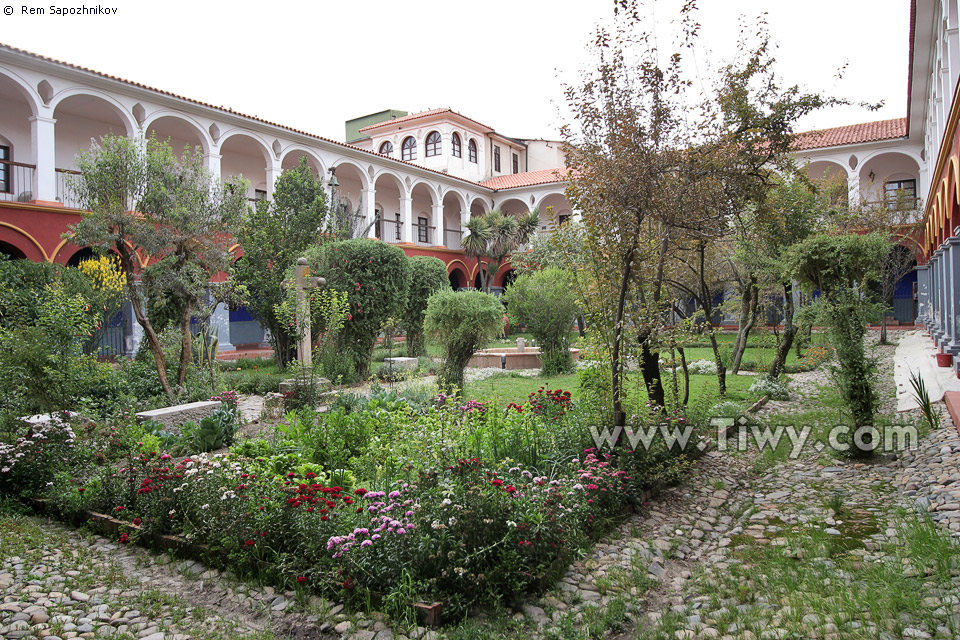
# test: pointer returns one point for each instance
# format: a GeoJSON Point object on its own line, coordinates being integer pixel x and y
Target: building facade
{"type": "Point", "coordinates": [416, 179]}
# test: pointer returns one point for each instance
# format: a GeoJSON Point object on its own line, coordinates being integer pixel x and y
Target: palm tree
{"type": "Point", "coordinates": [494, 236]}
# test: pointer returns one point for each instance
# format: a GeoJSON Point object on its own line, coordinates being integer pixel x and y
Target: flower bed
{"type": "Point", "coordinates": [461, 503]}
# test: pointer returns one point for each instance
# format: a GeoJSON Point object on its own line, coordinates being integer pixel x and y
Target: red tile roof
{"type": "Point", "coordinates": [423, 114]}
{"type": "Point", "coordinates": [852, 134]}
{"type": "Point", "coordinates": [527, 179]}
{"type": "Point", "coordinates": [37, 56]}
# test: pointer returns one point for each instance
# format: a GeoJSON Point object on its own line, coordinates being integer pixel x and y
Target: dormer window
{"type": "Point", "coordinates": [434, 144]}
{"type": "Point", "coordinates": [455, 147]}
{"type": "Point", "coordinates": [516, 163]}
{"type": "Point", "coordinates": [386, 149]}
{"type": "Point", "coordinates": [472, 151]}
{"type": "Point", "coordinates": [496, 159]}
{"type": "Point", "coordinates": [408, 149]}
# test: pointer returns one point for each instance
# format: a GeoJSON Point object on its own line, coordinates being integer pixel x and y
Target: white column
{"type": "Point", "coordinates": [273, 172]}
{"type": "Point", "coordinates": [220, 323]}
{"type": "Point", "coordinates": [439, 237]}
{"type": "Point", "coordinates": [853, 188]}
{"type": "Point", "coordinates": [406, 220]}
{"type": "Point", "coordinates": [369, 199]}
{"type": "Point", "coordinates": [953, 326]}
{"type": "Point", "coordinates": [43, 131]}
{"type": "Point", "coordinates": [212, 162]}
{"type": "Point", "coordinates": [923, 294]}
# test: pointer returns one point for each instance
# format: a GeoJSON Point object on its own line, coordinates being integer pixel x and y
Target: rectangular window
{"type": "Point", "coordinates": [516, 163]}
{"type": "Point", "coordinates": [397, 225]}
{"type": "Point", "coordinates": [422, 230]}
{"type": "Point", "coordinates": [377, 231]}
{"type": "Point", "coordinates": [496, 159]}
{"type": "Point", "coordinates": [259, 194]}
{"type": "Point", "coordinates": [900, 194]}
{"type": "Point", "coordinates": [5, 186]}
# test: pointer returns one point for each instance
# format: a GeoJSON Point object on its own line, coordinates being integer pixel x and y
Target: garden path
{"type": "Point", "coordinates": [751, 546]}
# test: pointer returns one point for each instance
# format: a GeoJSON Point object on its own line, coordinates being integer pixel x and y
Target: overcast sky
{"type": "Point", "coordinates": [312, 65]}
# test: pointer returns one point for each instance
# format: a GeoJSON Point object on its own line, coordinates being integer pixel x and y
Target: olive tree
{"type": "Point", "coordinates": [170, 223]}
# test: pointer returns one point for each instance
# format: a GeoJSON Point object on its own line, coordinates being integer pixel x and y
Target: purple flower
{"type": "Point", "coordinates": [366, 543]}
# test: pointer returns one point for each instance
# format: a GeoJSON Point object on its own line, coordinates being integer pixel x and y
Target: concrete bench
{"type": "Point", "coordinates": [172, 417]}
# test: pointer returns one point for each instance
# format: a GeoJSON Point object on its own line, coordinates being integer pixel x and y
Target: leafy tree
{"type": "Point", "coordinates": [544, 301]}
{"type": "Point", "coordinates": [842, 266]}
{"type": "Point", "coordinates": [461, 322]}
{"type": "Point", "coordinates": [427, 276]}
{"type": "Point", "coordinates": [277, 233]}
{"type": "Point", "coordinates": [169, 222]}
{"type": "Point", "coordinates": [376, 278]}
{"type": "Point", "coordinates": [493, 237]}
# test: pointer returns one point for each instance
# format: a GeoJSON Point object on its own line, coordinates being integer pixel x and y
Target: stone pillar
{"type": "Point", "coordinates": [220, 323]}
{"type": "Point", "coordinates": [43, 132]}
{"type": "Point", "coordinates": [368, 199]}
{"type": "Point", "coordinates": [212, 161]}
{"type": "Point", "coordinates": [439, 236]}
{"type": "Point", "coordinates": [853, 188]}
{"type": "Point", "coordinates": [952, 336]}
{"type": "Point", "coordinates": [273, 172]}
{"type": "Point", "coordinates": [406, 220]}
{"type": "Point", "coordinates": [923, 294]}
{"type": "Point", "coordinates": [132, 331]}
{"type": "Point", "coordinates": [934, 315]}
{"type": "Point", "coordinates": [949, 295]}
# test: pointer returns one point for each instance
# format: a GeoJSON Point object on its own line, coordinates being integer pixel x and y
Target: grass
{"type": "Point", "coordinates": [816, 579]}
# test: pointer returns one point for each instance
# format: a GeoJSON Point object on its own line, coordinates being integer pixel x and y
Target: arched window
{"type": "Point", "coordinates": [386, 148]}
{"type": "Point", "coordinates": [472, 150]}
{"type": "Point", "coordinates": [434, 145]}
{"type": "Point", "coordinates": [409, 149]}
{"type": "Point", "coordinates": [455, 147]}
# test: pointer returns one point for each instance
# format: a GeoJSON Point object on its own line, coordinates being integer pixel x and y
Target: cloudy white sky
{"type": "Point", "coordinates": [312, 65]}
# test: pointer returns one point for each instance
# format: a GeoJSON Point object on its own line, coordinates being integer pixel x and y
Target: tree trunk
{"type": "Point", "coordinates": [155, 348]}
{"type": "Point", "coordinates": [749, 305]}
{"type": "Point", "coordinates": [883, 327]}
{"type": "Point", "coordinates": [789, 331]}
{"type": "Point", "coordinates": [650, 367]}
{"type": "Point", "coordinates": [721, 369]}
{"type": "Point", "coordinates": [581, 326]}
{"type": "Point", "coordinates": [186, 343]}
{"type": "Point", "coordinates": [686, 376]}
{"type": "Point", "coordinates": [616, 386]}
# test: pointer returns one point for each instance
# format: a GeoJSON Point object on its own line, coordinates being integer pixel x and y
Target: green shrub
{"type": "Point", "coordinates": [461, 322]}
{"type": "Point", "coordinates": [545, 303]}
{"type": "Point", "coordinates": [427, 276]}
{"type": "Point", "coordinates": [773, 389]}
{"type": "Point", "coordinates": [375, 277]}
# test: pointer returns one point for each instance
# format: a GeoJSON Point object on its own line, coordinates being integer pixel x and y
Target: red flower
{"type": "Point", "coordinates": [497, 482]}
{"type": "Point", "coordinates": [510, 489]}
{"type": "Point", "coordinates": [137, 521]}
{"type": "Point", "coordinates": [301, 579]}
{"type": "Point", "coordinates": [124, 538]}
{"type": "Point", "coordinates": [361, 491]}
{"type": "Point", "coordinates": [120, 508]}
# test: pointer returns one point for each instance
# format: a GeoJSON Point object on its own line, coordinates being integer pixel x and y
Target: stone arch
{"type": "Point", "coordinates": [423, 197]}
{"type": "Point", "coordinates": [17, 106]}
{"type": "Point", "coordinates": [454, 205]}
{"type": "Point", "coordinates": [179, 129]}
{"type": "Point", "coordinates": [353, 180]}
{"type": "Point", "coordinates": [291, 158]}
{"type": "Point", "coordinates": [478, 207]}
{"type": "Point", "coordinates": [513, 206]}
{"type": "Point", "coordinates": [84, 116]}
{"type": "Point", "coordinates": [389, 190]}
{"type": "Point", "coordinates": [886, 166]}
{"type": "Point", "coordinates": [25, 243]}
{"type": "Point", "coordinates": [554, 209]}
{"type": "Point", "coordinates": [243, 153]}
{"type": "Point", "coordinates": [23, 88]}
{"type": "Point", "coordinates": [129, 124]}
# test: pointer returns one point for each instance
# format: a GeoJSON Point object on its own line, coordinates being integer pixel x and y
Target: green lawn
{"type": "Point", "coordinates": [507, 388]}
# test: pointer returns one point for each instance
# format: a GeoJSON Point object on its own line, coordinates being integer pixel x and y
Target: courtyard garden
{"type": "Point", "coordinates": [709, 290]}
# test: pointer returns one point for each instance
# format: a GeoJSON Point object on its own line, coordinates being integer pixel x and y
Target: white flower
{"type": "Point", "coordinates": [445, 501]}
{"type": "Point", "coordinates": [511, 523]}
{"type": "Point", "coordinates": [206, 506]}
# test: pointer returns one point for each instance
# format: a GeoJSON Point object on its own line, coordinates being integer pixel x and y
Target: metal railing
{"type": "Point", "coordinates": [452, 238]}
{"type": "Point", "coordinates": [423, 234]}
{"type": "Point", "coordinates": [390, 231]}
{"type": "Point", "coordinates": [65, 193]}
{"type": "Point", "coordinates": [16, 181]}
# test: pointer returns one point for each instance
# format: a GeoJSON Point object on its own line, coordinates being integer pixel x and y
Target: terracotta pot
{"type": "Point", "coordinates": [944, 360]}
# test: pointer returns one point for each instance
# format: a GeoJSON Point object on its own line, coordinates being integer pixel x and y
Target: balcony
{"type": "Point", "coordinates": [452, 238]}
{"type": "Point", "coordinates": [424, 235]}
{"type": "Point", "coordinates": [390, 231]}
{"type": "Point", "coordinates": [65, 194]}
{"type": "Point", "coordinates": [16, 181]}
